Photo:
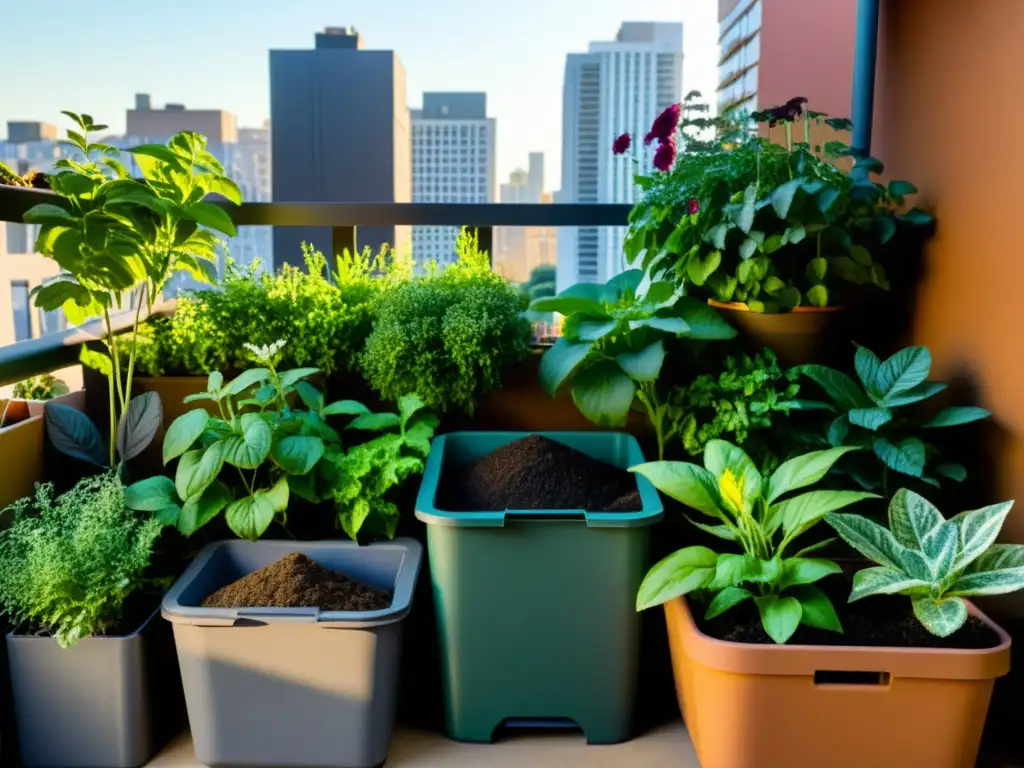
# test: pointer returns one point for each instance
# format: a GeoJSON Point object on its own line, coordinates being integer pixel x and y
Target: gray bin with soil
{"type": "Point", "coordinates": [292, 686]}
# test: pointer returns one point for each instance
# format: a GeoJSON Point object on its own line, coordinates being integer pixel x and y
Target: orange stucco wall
{"type": "Point", "coordinates": [949, 109]}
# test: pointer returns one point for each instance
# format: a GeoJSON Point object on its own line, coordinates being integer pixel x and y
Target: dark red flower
{"type": "Point", "coordinates": [665, 157]}
{"type": "Point", "coordinates": [621, 144]}
{"type": "Point", "coordinates": [693, 206]}
{"type": "Point", "coordinates": [664, 125]}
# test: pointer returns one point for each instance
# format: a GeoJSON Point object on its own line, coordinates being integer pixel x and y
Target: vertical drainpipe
{"type": "Point", "coordinates": [865, 55]}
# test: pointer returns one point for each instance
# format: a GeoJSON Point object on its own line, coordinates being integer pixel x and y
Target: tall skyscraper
{"type": "Point", "coordinates": [453, 156]}
{"type": "Point", "coordinates": [518, 250]}
{"type": "Point", "coordinates": [616, 87]}
{"type": "Point", "coordinates": [339, 133]}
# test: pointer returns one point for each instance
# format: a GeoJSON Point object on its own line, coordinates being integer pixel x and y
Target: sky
{"type": "Point", "coordinates": [212, 54]}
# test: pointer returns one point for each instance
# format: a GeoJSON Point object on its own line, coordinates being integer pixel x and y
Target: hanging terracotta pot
{"type": "Point", "coordinates": [797, 337]}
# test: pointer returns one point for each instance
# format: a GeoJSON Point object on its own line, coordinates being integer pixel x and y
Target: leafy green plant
{"type": "Point", "coordinates": [115, 236]}
{"type": "Point", "coordinates": [749, 511]}
{"type": "Point", "coordinates": [68, 563]}
{"type": "Point", "coordinates": [45, 387]}
{"type": "Point", "coordinates": [447, 337]}
{"type": "Point", "coordinates": [743, 397]}
{"type": "Point", "coordinates": [248, 461]}
{"type": "Point", "coordinates": [9, 178]}
{"type": "Point", "coordinates": [872, 413]}
{"type": "Point", "coordinates": [613, 346]}
{"type": "Point", "coordinates": [776, 226]}
{"type": "Point", "coordinates": [933, 561]}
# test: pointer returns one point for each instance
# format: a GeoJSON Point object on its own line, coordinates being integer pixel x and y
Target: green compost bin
{"type": "Point", "coordinates": [536, 609]}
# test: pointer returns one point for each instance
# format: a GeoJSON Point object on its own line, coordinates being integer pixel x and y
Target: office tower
{"type": "Point", "coordinates": [339, 133]}
{"type": "Point", "coordinates": [453, 159]}
{"type": "Point", "coordinates": [19, 132]}
{"type": "Point", "coordinates": [218, 126]}
{"type": "Point", "coordinates": [617, 87]}
{"type": "Point", "coordinates": [518, 250]}
{"type": "Point", "coordinates": [760, 65]}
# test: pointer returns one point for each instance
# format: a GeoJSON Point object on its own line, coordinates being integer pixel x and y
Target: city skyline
{"type": "Point", "coordinates": [441, 48]}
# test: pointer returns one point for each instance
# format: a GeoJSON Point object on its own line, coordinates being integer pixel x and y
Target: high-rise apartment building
{"type": "Point", "coordinates": [217, 125]}
{"type": "Point", "coordinates": [339, 133]}
{"type": "Point", "coordinates": [761, 65]}
{"type": "Point", "coordinates": [617, 87]}
{"type": "Point", "coordinates": [453, 161]}
{"type": "Point", "coordinates": [518, 250]}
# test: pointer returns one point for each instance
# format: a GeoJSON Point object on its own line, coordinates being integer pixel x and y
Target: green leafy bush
{"type": "Point", "coordinates": [68, 563]}
{"type": "Point", "coordinates": [45, 387]}
{"type": "Point", "coordinates": [933, 561]}
{"type": "Point", "coordinates": [743, 397]}
{"type": "Point", "coordinates": [749, 511]}
{"type": "Point", "coordinates": [447, 337]}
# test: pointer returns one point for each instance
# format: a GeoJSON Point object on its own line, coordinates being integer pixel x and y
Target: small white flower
{"type": "Point", "coordinates": [266, 352]}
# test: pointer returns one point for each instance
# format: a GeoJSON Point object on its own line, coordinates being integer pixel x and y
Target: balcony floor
{"type": "Point", "coordinates": [667, 745]}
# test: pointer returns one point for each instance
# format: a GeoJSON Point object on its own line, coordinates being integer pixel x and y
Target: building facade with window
{"type": "Point", "coordinates": [453, 161]}
{"type": "Point", "coordinates": [617, 87]}
{"type": "Point", "coordinates": [520, 250]}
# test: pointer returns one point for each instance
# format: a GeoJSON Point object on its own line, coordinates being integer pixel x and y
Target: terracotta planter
{"type": "Point", "coordinates": [797, 337]}
{"type": "Point", "coordinates": [22, 450]}
{"type": "Point", "coordinates": [74, 400]}
{"type": "Point", "coordinates": [767, 706]}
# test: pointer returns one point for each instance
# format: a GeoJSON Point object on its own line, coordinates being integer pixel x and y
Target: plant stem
{"type": "Point", "coordinates": [113, 420]}
{"type": "Point", "coordinates": [135, 339]}
{"type": "Point", "coordinates": [114, 357]}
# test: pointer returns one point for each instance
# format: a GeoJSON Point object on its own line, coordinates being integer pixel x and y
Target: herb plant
{"type": "Point", "coordinates": [115, 236]}
{"type": "Point", "coordinates": [872, 412]}
{"type": "Point", "coordinates": [45, 387]}
{"type": "Point", "coordinates": [613, 346]}
{"type": "Point", "coordinates": [933, 561]}
{"type": "Point", "coordinates": [773, 225]}
{"type": "Point", "coordinates": [749, 511]}
{"type": "Point", "coordinates": [68, 563]}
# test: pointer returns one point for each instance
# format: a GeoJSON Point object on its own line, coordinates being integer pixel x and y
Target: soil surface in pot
{"type": "Point", "coordinates": [883, 621]}
{"type": "Point", "coordinates": [537, 473]}
{"type": "Point", "coordinates": [296, 581]}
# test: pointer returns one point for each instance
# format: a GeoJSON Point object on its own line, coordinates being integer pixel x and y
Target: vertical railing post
{"type": "Point", "coordinates": [862, 108]}
{"type": "Point", "coordinates": [342, 239]}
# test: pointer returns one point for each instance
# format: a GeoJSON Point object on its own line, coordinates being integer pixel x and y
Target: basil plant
{"type": "Point", "coordinates": [751, 513]}
{"type": "Point", "coordinates": [873, 413]}
{"type": "Point", "coordinates": [933, 561]}
{"type": "Point", "coordinates": [613, 346]}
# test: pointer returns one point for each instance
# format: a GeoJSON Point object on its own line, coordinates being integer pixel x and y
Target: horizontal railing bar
{"type": "Point", "coordinates": [14, 201]}
{"type": "Point", "coordinates": [53, 351]}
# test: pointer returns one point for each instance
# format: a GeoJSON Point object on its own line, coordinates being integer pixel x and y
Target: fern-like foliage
{"type": "Point", "coordinates": [68, 563]}
{"type": "Point", "coordinates": [933, 561]}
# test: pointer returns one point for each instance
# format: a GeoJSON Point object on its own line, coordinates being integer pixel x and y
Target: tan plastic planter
{"type": "Point", "coordinates": [767, 706]}
{"type": "Point", "coordinates": [796, 337]}
{"type": "Point", "coordinates": [21, 450]}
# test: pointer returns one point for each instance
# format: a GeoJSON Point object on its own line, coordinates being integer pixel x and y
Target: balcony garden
{"type": "Point", "coordinates": [304, 506]}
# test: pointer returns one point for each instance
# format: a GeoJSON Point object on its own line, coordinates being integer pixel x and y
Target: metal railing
{"type": "Point", "coordinates": [52, 351]}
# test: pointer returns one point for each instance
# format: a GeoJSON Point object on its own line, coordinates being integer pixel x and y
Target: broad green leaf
{"type": "Point", "coordinates": [699, 269]}
{"type": "Point", "coordinates": [225, 187]}
{"type": "Point", "coordinates": [246, 380]}
{"type": "Point", "coordinates": [721, 531]}
{"type": "Point", "coordinates": [951, 417]}
{"type": "Point", "coordinates": [803, 470]}
{"type": "Point", "coordinates": [72, 433]}
{"type": "Point", "coordinates": [902, 372]}
{"type": "Point", "coordinates": [408, 406]}
{"type": "Point", "coordinates": [998, 571]}
{"type": "Point", "coordinates": [817, 268]}
{"type": "Point", "coordinates": [567, 305]}
{"type": "Point", "coordinates": [345, 408]}
{"type": "Point", "coordinates": [249, 517]}
{"type": "Point", "coordinates": [678, 574]}
{"type": "Point", "coordinates": [54, 295]}
{"type": "Point", "coordinates": [721, 456]}
{"type": "Point", "coordinates": [688, 484]}
{"type": "Point", "coordinates": [183, 432]}
{"type": "Point", "coordinates": [200, 510]}
{"type": "Point", "coordinates": [801, 513]}
{"type": "Point", "coordinates": [376, 422]}
{"type": "Point", "coordinates": [794, 235]}
{"type": "Point", "coordinates": [939, 549]}
{"type": "Point", "coordinates": [603, 394]}
{"type": "Point", "coordinates": [644, 365]}
{"type": "Point", "coordinates": [139, 425]}
{"type": "Point", "coordinates": [838, 431]}
{"type": "Point", "coordinates": [214, 382]}
{"type": "Point", "coordinates": [151, 494]}
{"type": "Point", "coordinates": [212, 216]}
{"type": "Point", "coordinates": [659, 292]}
{"type": "Point", "coordinates": [703, 322]}
{"type": "Point", "coordinates": [861, 256]}
{"type": "Point", "coordinates": [815, 547]}
{"type": "Point", "coordinates": [955, 472]}
{"type": "Point", "coordinates": [288, 379]}
{"type": "Point", "coordinates": [559, 363]}
{"type": "Point", "coordinates": [747, 249]}
{"type": "Point", "coordinates": [732, 570]}
{"type": "Point", "coordinates": [867, 364]}
{"type": "Point", "coordinates": [716, 236]}
{"type": "Point", "coordinates": [782, 197]}
{"type": "Point", "coordinates": [744, 216]}
{"type": "Point", "coordinates": [251, 448]}
{"type": "Point", "coordinates": [978, 530]}
{"type": "Point", "coordinates": [817, 296]}
{"type": "Point", "coordinates": [674, 325]}
{"type": "Point", "coordinates": [837, 385]}
{"type": "Point", "coordinates": [921, 392]}
{"type": "Point", "coordinates": [198, 469]}
{"type": "Point", "coordinates": [584, 327]}
{"type": "Point", "coordinates": [940, 617]}
{"type": "Point", "coordinates": [869, 538]}
{"type": "Point", "coordinates": [816, 609]}
{"type": "Point", "coordinates": [912, 518]}
{"type": "Point", "coordinates": [906, 458]}
{"type": "Point", "coordinates": [870, 418]}
{"type": "Point", "coordinates": [622, 285]}
{"type": "Point", "coordinates": [728, 598]}
{"type": "Point", "coordinates": [883, 581]}
{"type": "Point", "coordinates": [805, 570]}
{"type": "Point", "coordinates": [311, 397]}
{"type": "Point", "coordinates": [899, 188]}
{"type": "Point", "coordinates": [297, 454]}
{"type": "Point", "coordinates": [168, 515]}
{"type": "Point", "coordinates": [48, 214]}
{"type": "Point", "coordinates": [779, 615]}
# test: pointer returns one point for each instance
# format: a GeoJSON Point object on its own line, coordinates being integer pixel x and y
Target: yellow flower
{"type": "Point", "coordinates": [730, 491]}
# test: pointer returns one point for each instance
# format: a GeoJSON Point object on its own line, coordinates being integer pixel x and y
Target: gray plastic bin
{"type": "Point", "coordinates": [292, 686]}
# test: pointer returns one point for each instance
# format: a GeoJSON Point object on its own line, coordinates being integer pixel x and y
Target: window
{"type": "Point", "coordinates": [22, 317]}
{"type": "Point", "coordinates": [53, 321]}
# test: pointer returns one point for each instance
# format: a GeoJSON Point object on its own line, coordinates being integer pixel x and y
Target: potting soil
{"type": "Point", "coordinates": [538, 473]}
{"type": "Point", "coordinates": [296, 581]}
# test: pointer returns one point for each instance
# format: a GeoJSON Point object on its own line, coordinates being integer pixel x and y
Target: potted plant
{"type": "Point", "coordinates": [40, 391]}
{"type": "Point", "coordinates": [760, 228]}
{"type": "Point", "coordinates": [73, 582]}
{"type": "Point", "coordinates": [543, 522]}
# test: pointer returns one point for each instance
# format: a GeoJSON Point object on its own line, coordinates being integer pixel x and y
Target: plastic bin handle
{"type": "Point", "coordinates": [279, 615]}
{"type": "Point", "coordinates": [546, 515]}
